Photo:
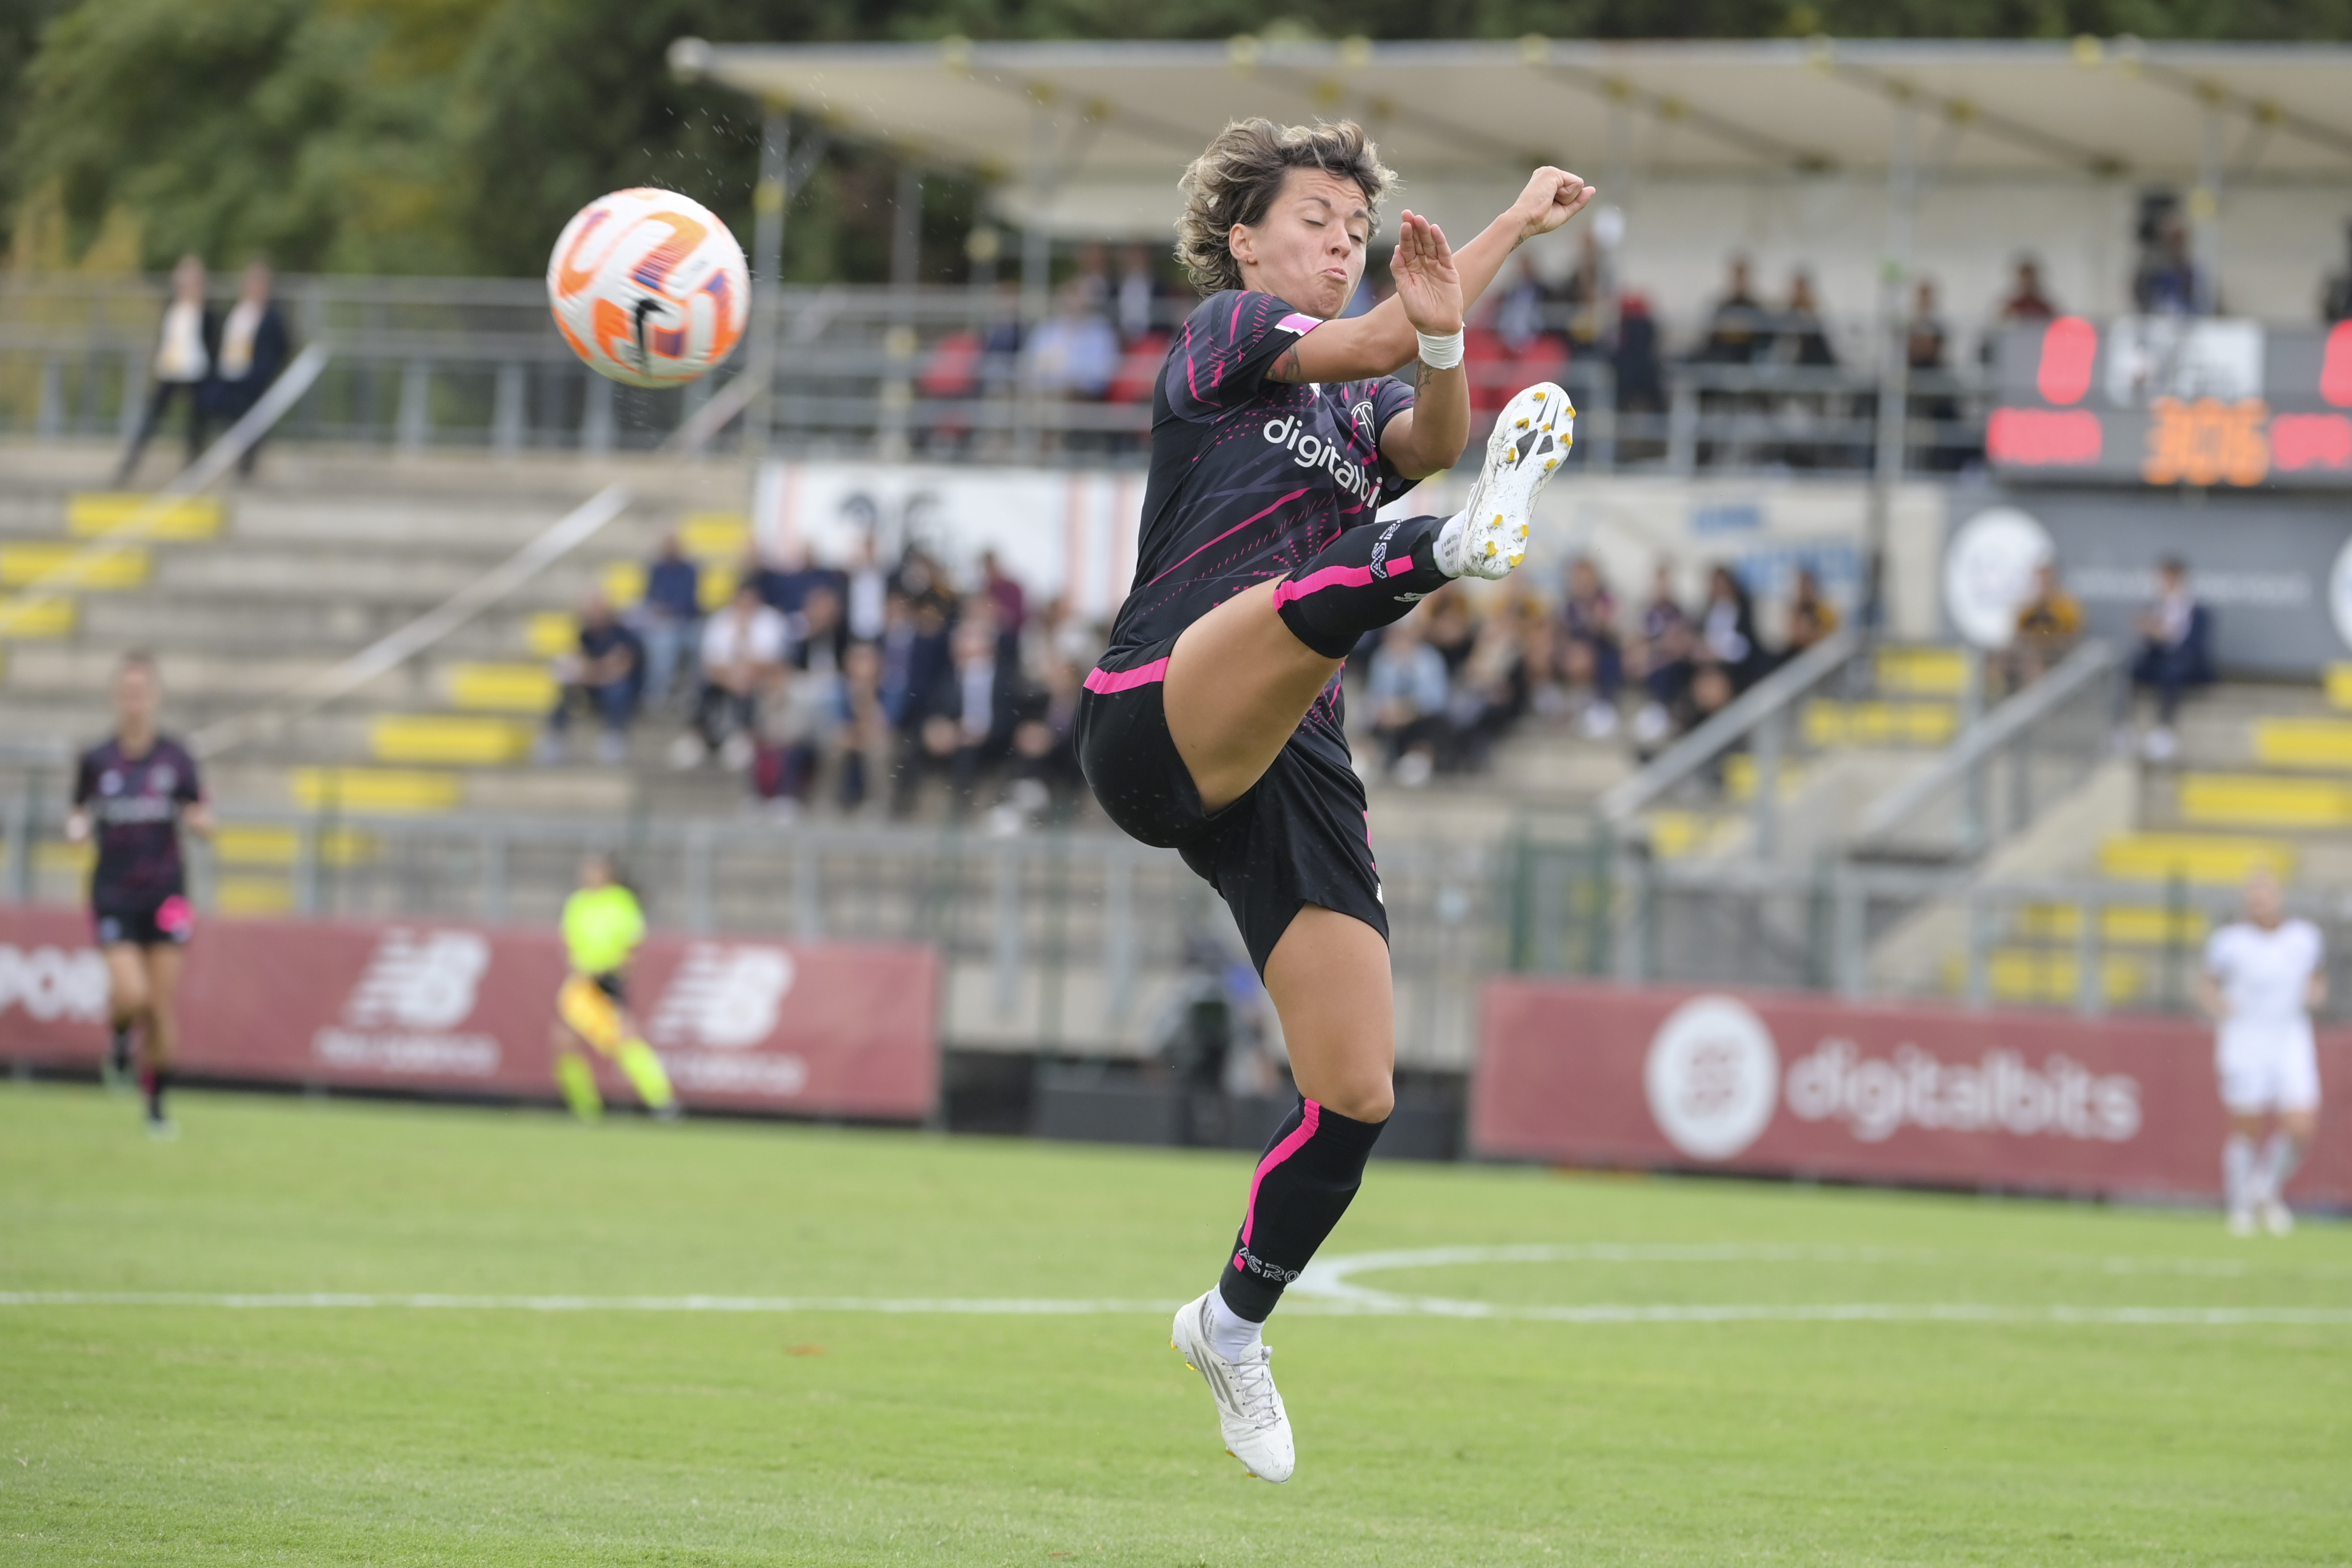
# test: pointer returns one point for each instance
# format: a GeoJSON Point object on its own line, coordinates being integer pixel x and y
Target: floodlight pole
{"type": "Point", "coordinates": [1036, 261]}
{"type": "Point", "coordinates": [891, 439]}
{"type": "Point", "coordinates": [1894, 366]}
{"type": "Point", "coordinates": [768, 264]}
{"type": "Point", "coordinates": [2205, 208]}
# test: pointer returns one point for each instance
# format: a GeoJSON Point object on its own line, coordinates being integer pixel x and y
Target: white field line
{"type": "Point", "coordinates": [1378, 1306]}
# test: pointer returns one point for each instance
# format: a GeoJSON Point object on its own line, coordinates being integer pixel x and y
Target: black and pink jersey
{"type": "Point", "coordinates": [134, 805]}
{"type": "Point", "coordinates": [1249, 478]}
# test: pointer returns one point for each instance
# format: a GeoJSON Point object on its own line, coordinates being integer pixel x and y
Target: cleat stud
{"type": "Point", "coordinates": [1490, 546]}
{"type": "Point", "coordinates": [1550, 464]}
{"type": "Point", "coordinates": [1498, 519]}
{"type": "Point", "coordinates": [1523, 425]}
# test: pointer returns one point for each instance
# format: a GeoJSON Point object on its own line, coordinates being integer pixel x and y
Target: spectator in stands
{"type": "Point", "coordinates": [820, 635]}
{"type": "Point", "coordinates": [1137, 301]}
{"type": "Point", "coordinates": [2175, 639]}
{"type": "Point", "coordinates": [862, 735]}
{"type": "Point", "coordinates": [253, 349]}
{"type": "Point", "coordinates": [182, 362]}
{"type": "Point", "coordinates": [743, 649]}
{"type": "Point", "coordinates": [1448, 626]}
{"type": "Point", "coordinates": [2027, 303]}
{"type": "Point", "coordinates": [2335, 293]}
{"type": "Point", "coordinates": [2167, 282]}
{"type": "Point", "coordinates": [1739, 331]}
{"type": "Point", "coordinates": [964, 723]}
{"type": "Point", "coordinates": [785, 582]}
{"type": "Point", "coordinates": [2049, 624]}
{"type": "Point", "coordinates": [1074, 354]}
{"type": "Point", "coordinates": [1641, 386]}
{"type": "Point", "coordinates": [1044, 762]}
{"type": "Point", "coordinates": [604, 677]}
{"type": "Point", "coordinates": [1588, 645]}
{"type": "Point", "coordinates": [669, 617]}
{"type": "Point", "coordinates": [797, 711]}
{"type": "Point", "coordinates": [1664, 656]}
{"type": "Point", "coordinates": [1727, 635]}
{"type": "Point", "coordinates": [1003, 592]}
{"type": "Point", "coordinates": [1489, 692]}
{"type": "Point", "coordinates": [1520, 308]}
{"type": "Point", "coordinates": [1800, 338]}
{"type": "Point", "coordinates": [1924, 344]}
{"type": "Point", "coordinates": [865, 595]}
{"type": "Point", "coordinates": [1406, 689]}
{"type": "Point", "coordinates": [1812, 616]}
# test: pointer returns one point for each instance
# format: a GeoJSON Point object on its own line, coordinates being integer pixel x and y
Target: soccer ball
{"type": "Point", "coordinates": [648, 287]}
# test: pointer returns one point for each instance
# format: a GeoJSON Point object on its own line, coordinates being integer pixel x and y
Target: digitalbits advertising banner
{"type": "Point", "coordinates": [1799, 1085]}
{"type": "Point", "coordinates": [818, 1028]}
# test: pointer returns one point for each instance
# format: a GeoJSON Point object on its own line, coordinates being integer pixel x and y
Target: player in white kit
{"type": "Point", "coordinates": [2262, 978]}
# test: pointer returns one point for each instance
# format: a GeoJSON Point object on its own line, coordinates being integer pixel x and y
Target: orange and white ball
{"type": "Point", "coordinates": [648, 287]}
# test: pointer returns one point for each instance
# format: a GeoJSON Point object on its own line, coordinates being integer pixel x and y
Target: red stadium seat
{"type": "Point", "coordinates": [1138, 368]}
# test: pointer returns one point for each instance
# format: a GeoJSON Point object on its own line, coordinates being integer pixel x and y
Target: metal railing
{"type": "Point", "coordinates": [2032, 750]}
{"type": "Point", "coordinates": [1743, 752]}
{"type": "Point", "coordinates": [876, 370]}
{"type": "Point", "coordinates": [1055, 940]}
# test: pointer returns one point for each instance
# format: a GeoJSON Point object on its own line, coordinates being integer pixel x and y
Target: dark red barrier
{"type": "Point", "coordinates": [822, 1028]}
{"type": "Point", "coordinates": [1604, 1075]}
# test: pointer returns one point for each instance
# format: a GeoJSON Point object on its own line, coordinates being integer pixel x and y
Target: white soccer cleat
{"type": "Point", "coordinates": [1530, 441]}
{"type": "Point", "coordinates": [1249, 1410]}
{"type": "Point", "coordinates": [2277, 1217]}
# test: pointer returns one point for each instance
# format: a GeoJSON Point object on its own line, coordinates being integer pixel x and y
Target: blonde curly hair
{"type": "Point", "coordinates": [1237, 179]}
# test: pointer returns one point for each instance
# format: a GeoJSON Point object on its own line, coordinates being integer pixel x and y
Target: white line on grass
{"type": "Point", "coordinates": [1375, 1304]}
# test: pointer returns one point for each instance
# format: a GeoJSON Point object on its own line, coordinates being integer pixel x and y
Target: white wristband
{"type": "Point", "coordinates": [1440, 354]}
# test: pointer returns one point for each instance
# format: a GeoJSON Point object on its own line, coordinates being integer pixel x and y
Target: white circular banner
{"type": "Point", "coordinates": [2339, 594]}
{"type": "Point", "coordinates": [1713, 1077]}
{"type": "Point", "coordinates": [1989, 570]}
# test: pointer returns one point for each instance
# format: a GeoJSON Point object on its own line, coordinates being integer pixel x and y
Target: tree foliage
{"type": "Point", "coordinates": [458, 135]}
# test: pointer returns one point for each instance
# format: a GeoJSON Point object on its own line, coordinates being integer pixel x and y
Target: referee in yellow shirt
{"type": "Point", "coordinates": [602, 926]}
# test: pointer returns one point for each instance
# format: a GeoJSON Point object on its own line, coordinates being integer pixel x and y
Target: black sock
{"type": "Point", "coordinates": [1363, 580]}
{"type": "Point", "coordinates": [118, 1048]}
{"type": "Point", "coordinates": [155, 1081]}
{"type": "Point", "coordinates": [1309, 1173]}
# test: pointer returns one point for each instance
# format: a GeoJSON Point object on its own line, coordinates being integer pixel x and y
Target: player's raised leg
{"type": "Point", "coordinates": [1240, 678]}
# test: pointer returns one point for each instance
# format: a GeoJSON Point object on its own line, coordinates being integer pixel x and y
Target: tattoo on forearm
{"type": "Point", "coordinates": [1286, 369]}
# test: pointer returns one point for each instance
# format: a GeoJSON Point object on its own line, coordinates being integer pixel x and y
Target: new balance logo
{"type": "Point", "coordinates": [424, 980]}
{"type": "Point", "coordinates": [723, 997]}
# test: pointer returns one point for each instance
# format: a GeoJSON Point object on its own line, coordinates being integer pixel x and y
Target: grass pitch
{"type": "Point", "coordinates": [496, 1434]}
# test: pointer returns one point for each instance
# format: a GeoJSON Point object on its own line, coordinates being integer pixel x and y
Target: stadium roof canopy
{"type": "Point", "coordinates": [1105, 112]}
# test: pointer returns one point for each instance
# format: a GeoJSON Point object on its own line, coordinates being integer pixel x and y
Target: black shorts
{"type": "Point", "coordinates": [1300, 835]}
{"type": "Point", "coordinates": [164, 922]}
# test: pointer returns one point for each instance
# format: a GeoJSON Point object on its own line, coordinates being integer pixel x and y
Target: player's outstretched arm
{"type": "Point", "coordinates": [1382, 341]}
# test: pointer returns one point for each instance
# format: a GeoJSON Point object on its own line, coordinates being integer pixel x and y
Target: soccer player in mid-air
{"type": "Point", "coordinates": [603, 925]}
{"type": "Point", "coordinates": [2262, 976]}
{"type": "Point", "coordinates": [1212, 723]}
{"type": "Point", "coordinates": [133, 792]}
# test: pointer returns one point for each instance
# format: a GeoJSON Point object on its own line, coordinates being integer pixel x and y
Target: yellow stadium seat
{"type": "Point", "coordinates": [500, 688]}
{"type": "Point", "coordinates": [1830, 722]}
{"type": "Point", "coordinates": [624, 582]}
{"type": "Point", "coordinates": [1922, 672]}
{"type": "Point", "coordinates": [552, 633]}
{"type": "Point", "coordinates": [2260, 800]}
{"type": "Point", "coordinates": [2303, 742]}
{"type": "Point", "coordinates": [96, 513]}
{"type": "Point", "coordinates": [250, 844]}
{"type": "Point", "coordinates": [715, 536]}
{"type": "Point", "coordinates": [449, 739]}
{"type": "Point", "coordinates": [2125, 926]}
{"type": "Point", "coordinates": [2340, 686]}
{"type": "Point", "coordinates": [2194, 857]}
{"type": "Point", "coordinates": [74, 858]}
{"type": "Point", "coordinates": [46, 615]}
{"type": "Point", "coordinates": [1740, 777]}
{"type": "Point", "coordinates": [253, 895]}
{"type": "Point", "coordinates": [716, 586]}
{"type": "Point", "coordinates": [2024, 974]}
{"type": "Point", "coordinates": [63, 566]}
{"type": "Point", "coordinates": [387, 790]}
